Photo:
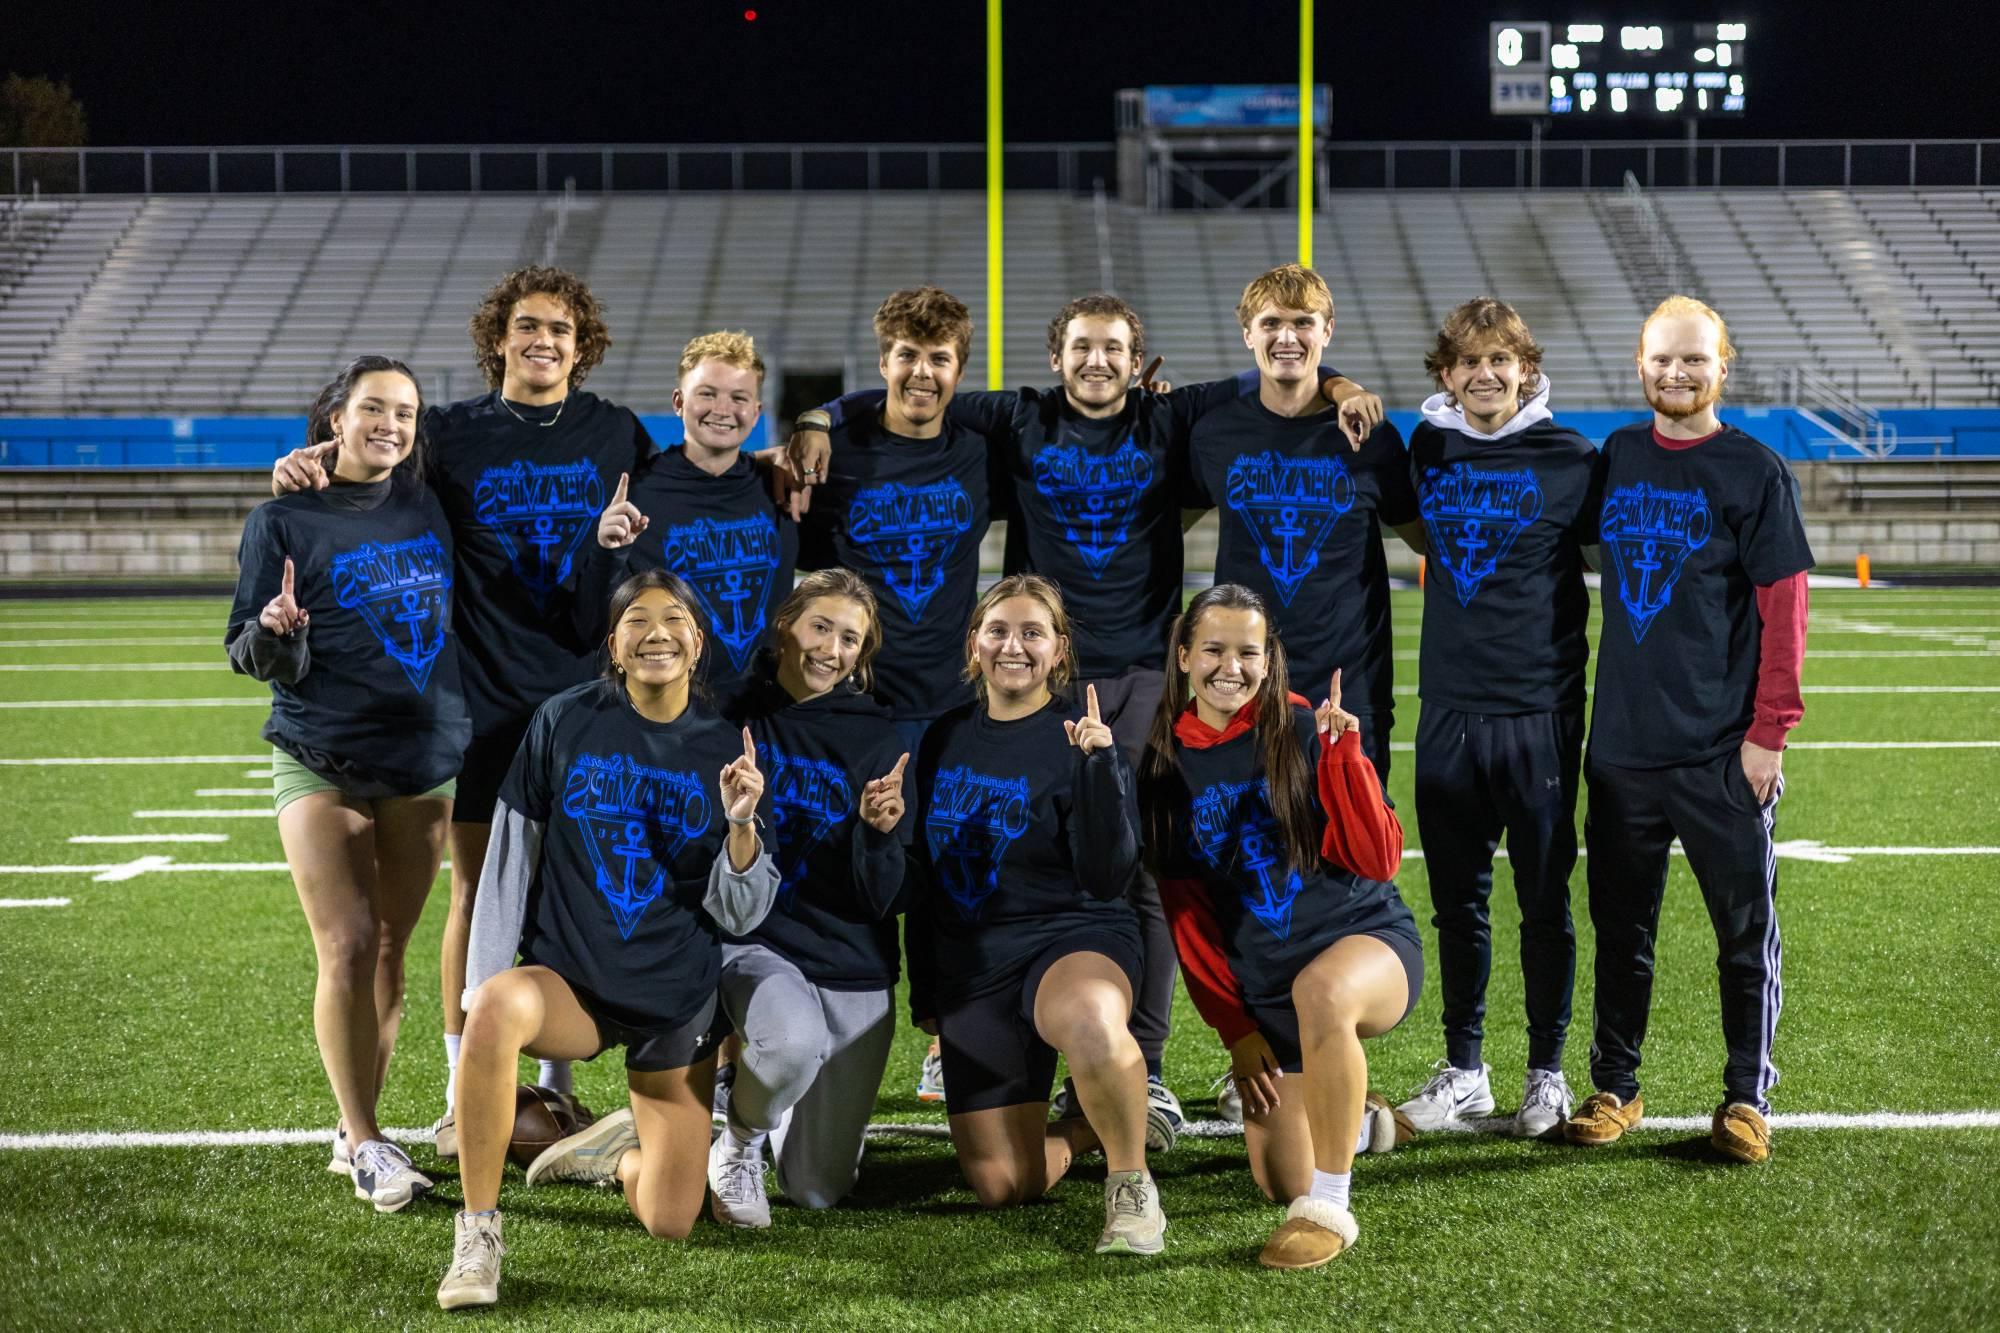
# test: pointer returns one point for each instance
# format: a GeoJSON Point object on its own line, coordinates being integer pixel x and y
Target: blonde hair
{"type": "Point", "coordinates": [1289, 287]}
{"type": "Point", "coordinates": [1042, 590]}
{"type": "Point", "coordinates": [732, 349]}
{"type": "Point", "coordinates": [1688, 305]}
{"type": "Point", "coordinates": [1473, 322]}
{"type": "Point", "coordinates": [848, 585]}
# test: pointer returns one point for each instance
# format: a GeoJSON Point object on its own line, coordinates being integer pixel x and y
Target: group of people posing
{"type": "Point", "coordinates": [697, 726]}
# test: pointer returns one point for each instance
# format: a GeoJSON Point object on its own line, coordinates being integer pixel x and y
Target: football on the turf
{"type": "Point", "coordinates": [542, 1116]}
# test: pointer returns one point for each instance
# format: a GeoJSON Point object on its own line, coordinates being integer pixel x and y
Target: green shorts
{"type": "Point", "coordinates": [291, 779]}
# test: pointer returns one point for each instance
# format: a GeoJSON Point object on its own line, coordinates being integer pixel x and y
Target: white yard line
{"type": "Point", "coordinates": [232, 791]}
{"type": "Point", "coordinates": [61, 667]}
{"type": "Point", "coordinates": [246, 701]}
{"type": "Point", "coordinates": [1201, 1129]}
{"type": "Point", "coordinates": [93, 761]}
{"type": "Point", "coordinates": [1893, 745]}
{"type": "Point", "coordinates": [91, 839]}
{"type": "Point", "coordinates": [34, 902]}
{"type": "Point", "coordinates": [236, 813]}
{"type": "Point", "coordinates": [211, 640]}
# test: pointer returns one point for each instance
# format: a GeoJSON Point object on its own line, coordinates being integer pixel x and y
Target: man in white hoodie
{"type": "Point", "coordinates": [1505, 495]}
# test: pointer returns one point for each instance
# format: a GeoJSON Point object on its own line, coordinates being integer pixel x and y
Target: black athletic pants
{"type": "Point", "coordinates": [1478, 776]}
{"type": "Point", "coordinates": [1727, 835]}
{"type": "Point", "coordinates": [1128, 704]}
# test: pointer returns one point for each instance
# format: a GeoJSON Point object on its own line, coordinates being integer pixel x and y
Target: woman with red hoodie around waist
{"type": "Point", "coordinates": [1276, 856]}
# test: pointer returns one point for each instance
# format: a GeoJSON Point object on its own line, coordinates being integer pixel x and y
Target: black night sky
{"type": "Point", "coordinates": [686, 71]}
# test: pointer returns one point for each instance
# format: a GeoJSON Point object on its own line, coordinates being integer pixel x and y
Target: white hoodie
{"type": "Point", "coordinates": [1441, 412]}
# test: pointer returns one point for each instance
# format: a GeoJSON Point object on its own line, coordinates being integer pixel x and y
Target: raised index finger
{"type": "Point", "coordinates": [895, 775]}
{"type": "Point", "coordinates": [287, 586]}
{"type": "Point", "coordinates": [1152, 370]}
{"type": "Point", "coordinates": [624, 485]}
{"type": "Point", "coordinates": [1090, 696]}
{"type": "Point", "coordinates": [749, 746]}
{"type": "Point", "coordinates": [1333, 697]}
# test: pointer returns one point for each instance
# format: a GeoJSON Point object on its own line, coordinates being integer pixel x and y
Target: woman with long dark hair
{"type": "Point", "coordinates": [343, 604]}
{"type": "Point", "coordinates": [624, 849]}
{"type": "Point", "coordinates": [1276, 855]}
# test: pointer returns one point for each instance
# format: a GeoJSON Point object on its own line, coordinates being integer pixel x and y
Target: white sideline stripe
{"type": "Point", "coordinates": [92, 761]}
{"type": "Point", "coordinates": [1795, 849]}
{"type": "Point", "coordinates": [91, 838]}
{"type": "Point", "coordinates": [1406, 655]}
{"type": "Point", "coordinates": [34, 902]}
{"type": "Point", "coordinates": [212, 641]}
{"type": "Point", "coordinates": [232, 791]}
{"type": "Point", "coordinates": [1200, 1129]}
{"type": "Point", "coordinates": [1893, 745]}
{"type": "Point", "coordinates": [115, 666]}
{"type": "Point", "coordinates": [209, 814]}
{"type": "Point", "coordinates": [259, 773]}
{"type": "Point", "coordinates": [248, 701]}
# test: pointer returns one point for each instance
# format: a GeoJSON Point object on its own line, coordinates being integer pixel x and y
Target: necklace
{"type": "Point", "coordinates": [523, 420]}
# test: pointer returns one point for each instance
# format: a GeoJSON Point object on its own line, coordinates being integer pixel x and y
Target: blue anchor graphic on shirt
{"type": "Point", "coordinates": [731, 563]}
{"type": "Point", "coordinates": [403, 593]}
{"type": "Point", "coordinates": [631, 896]}
{"type": "Point", "coordinates": [909, 533]}
{"type": "Point", "coordinates": [1290, 506]}
{"type": "Point", "coordinates": [631, 816]}
{"type": "Point", "coordinates": [1649, 532]}
{"type": "Point", "coordinates": [539, 514]}
{"type": "Point", "coordinates": [1233, 823]}
{"type": "Point", "coordinates": [1473, 516]}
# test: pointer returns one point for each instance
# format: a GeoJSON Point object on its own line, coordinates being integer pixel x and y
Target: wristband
{"type": "Point", "coordinates": [813, 418]}
{"type": "Point", "coordinates": [747, 819]}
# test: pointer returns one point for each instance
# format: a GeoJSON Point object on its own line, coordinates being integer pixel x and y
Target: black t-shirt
{"type": "Point", "coordinates": [633, 820]}
{"type": "Point", "coordinates": [1020, 840]}
{"type": "Point", "coordinates": [725, 535]}
{"type": "Point", "coordinates": [1301, 522]}
{"type": "Point", "coordinates": [1687, 536]}
{"type": "Point", "coordinates": [523, 501]}
{"type": "Point", "coordinates": [1505, 609]}
{"type": "Point", "coordinates": [380, 704]}
{"type": "Point", "coordinates": [1273, 920]}
{"type": "Point", "coordinates": [839, 880]}
{"type": "Point", "coordinates": [908, 516]}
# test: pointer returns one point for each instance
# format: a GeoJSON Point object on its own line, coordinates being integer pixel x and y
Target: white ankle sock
{"type": "Point", "coordinates": [554, 1075]}
{"type": "Point", "coordinates": [1367, 1135]}
{"type": "Point", "coordinates": [746, 1139]}
{"type": "Point", "coordinates": [451, 1040]}
{"type": "Point", "coordinates": [1331, 1187]}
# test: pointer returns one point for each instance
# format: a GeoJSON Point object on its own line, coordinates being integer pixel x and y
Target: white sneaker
{"type": "Point", "coordinates": [474, 1275]}
{"type": "Point", "coordinates": [930, 1081]}
{"type": "Point", "coordinates": [1229, 1100]}
{"type": "Point", "coordinates": [736, 1179]}
{"type": "Point", "coordinates": [1545, 1104]}
{"type": "Point", "coordinates": [589, 1156]}
{"type": "Point", "coordinates": [1451, 1095]}
{"type": "Point", "coordinates": [342, 1162]}
{"type": "Point", "coordinates": [383, 1175]}
{"type": "Point", "coordinates": [1163, 1117]}
{"type": "Point", "coordinates": [444, 1136]}
{"type": "Point", "coordinates": [1384, 1128]}
{"type": "Point", "coordinates": [1133, 1222]}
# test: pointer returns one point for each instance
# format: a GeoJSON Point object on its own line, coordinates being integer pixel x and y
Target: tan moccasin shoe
{"type": "Point", "coordinates": [1740, 1132]}
{"type": "Point", "coordinates": [1603, 1119]}
{"type": "Point", "coordinates": [1313, 1233]}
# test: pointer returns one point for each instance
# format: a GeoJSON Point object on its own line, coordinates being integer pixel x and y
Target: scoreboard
{"type": "Point", "coordinates": [1607, 71]}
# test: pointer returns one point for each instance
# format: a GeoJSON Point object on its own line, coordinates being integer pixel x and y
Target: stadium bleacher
{"type": "Point", "coordinates": [243, 304]}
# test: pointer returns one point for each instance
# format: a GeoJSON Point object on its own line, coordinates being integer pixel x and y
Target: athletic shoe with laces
{"type": "Point", "coordinates": [383, 1175]}
{"type": "Point", "coordinates": [444, 1136]}
{"type": "Point", "coordinates": [930, 1081]}
{"type": "Point", "coordinates": [1449, 1096]}
{"type": "Point", "coordinates": [1228, 1098]}
{"type": "Point", "coordinates": [1133, 1222]}
{"type": "Point", "coordinates": [474, 1275]}
{"type": "Point", "coordinates": [342, 1163]}
{"type": "Point", "coordinates": [1163, 1116]}
{"type": "Point", "coordinates": [1545, 1104]}
{"type": "Point", "coordinates": [736, 1181]}
{"type": "Point", "coordinates": [589, 1156]}
{"type": "Point", "coordinates": [725, 1084]}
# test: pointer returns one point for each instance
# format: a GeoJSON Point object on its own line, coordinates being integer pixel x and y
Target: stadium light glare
{"type": "Point", "coordinates": [1642, 37]}
{"type": "Point", "coordinates": [1564, 56]}
{"type": "Point", "coordinates": [1585, 32]}
{"type": "Point", "coordinates": [1732, 32]}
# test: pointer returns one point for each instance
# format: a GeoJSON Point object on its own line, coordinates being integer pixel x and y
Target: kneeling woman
{"type": "Point", "coordinates": [623, 848]}
{"type": "Point", "coordinates": [812, 990]}
{"type": "Point", "coordinates": [1022, 944]}
{"type": "Point", "coordinates": [343, 604]}
{"type": "Point", "coordinates": [1277, 855]}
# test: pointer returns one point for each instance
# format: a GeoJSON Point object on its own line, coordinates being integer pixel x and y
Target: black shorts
{"type": "Point", "coordinates": [1279, 1022]}
{"type": "Point", "coordinates": [993, 1056]}
{"type": "Point", "coordinates": [649, 1049]}
{"type": "Point", "coordinates": [487, 760]}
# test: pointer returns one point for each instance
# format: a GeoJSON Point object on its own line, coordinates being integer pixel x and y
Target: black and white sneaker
{"type": "Point", "coordinates": [1163, 1117]}
{"type": "Point", "coordinates": [1449, 1096]}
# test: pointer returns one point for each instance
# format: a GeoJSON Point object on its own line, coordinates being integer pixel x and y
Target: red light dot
{"type": "Point", "coordinates": [749, 16]}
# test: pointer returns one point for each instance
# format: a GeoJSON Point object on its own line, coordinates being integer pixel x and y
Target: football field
{"type": "Point", "coordinates": [162, 1150]}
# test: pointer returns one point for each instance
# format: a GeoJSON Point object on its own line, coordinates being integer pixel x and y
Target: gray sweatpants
{"type": "Point", "coordinates": [812, 1065]}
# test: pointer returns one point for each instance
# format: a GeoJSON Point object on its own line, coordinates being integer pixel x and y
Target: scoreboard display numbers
{"type": "Point", "coordinates": [1603, 71]}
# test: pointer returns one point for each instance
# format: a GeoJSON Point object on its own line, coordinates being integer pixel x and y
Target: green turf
{"type": "Point", "coordinates": [178, 1001]}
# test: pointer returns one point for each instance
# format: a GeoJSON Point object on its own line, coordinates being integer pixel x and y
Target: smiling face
{"type": "Point", "coordinates": [819, 650]}
{"type": "Point", "coordinates": [1681, 365]}
{"type": "Point", "coordinates": [1287, 343]}
{"type": "Point", "coordinates": [718, 404]}
{"type": "Point", "coordinates": [1224, 660]}
{"type": "Point", "coordinates": [377, 427]}
{"type": "Point", "coordinates": [539, 351]}
{"type": "Point", "coordinates": [921, 378]}
{"type": "Point", "coordinates": [1485, 381]}
{"type": "Point", "coordinates": [1015, 647]}
{"type": "Point", "coordinates": [656, 643]}
{"type": "Point", "coordinates": [1095, 363]}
